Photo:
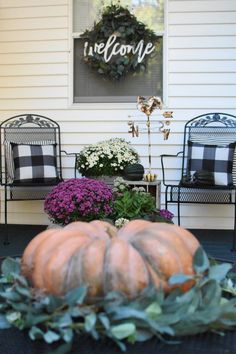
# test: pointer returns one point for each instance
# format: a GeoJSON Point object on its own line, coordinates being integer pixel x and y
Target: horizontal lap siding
{"type": "Point", "coordinates": [34, 73]}
{"type": "Point", "coordinates": [34, 77]}
{"type": "Point", "coordinates": [202, 78]}
{"type": "Point", "coordinates": [34, 55]}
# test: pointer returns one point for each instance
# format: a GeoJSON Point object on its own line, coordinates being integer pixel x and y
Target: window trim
{"type": "Point", "coordinates": [112, 105]}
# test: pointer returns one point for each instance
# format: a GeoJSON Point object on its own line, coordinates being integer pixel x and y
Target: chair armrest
{"type": "Point", "coordinates": [69, 153]}
{"type": "Point", "coordinates": [163, 159]}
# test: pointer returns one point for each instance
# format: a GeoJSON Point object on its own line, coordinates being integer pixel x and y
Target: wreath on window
{"type": "Point", "coordinates": [118, 44]}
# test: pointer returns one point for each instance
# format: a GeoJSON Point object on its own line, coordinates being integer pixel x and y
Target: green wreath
{"type": "Point", "coordinates": [118, 22]}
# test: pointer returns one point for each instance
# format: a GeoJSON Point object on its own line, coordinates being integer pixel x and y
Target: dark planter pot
{"type": "Point", "coordinates": [133, 172]}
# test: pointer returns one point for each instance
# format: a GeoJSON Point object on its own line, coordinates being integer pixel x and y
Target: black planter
{"type": "Point", "coordinates": [133, 172]}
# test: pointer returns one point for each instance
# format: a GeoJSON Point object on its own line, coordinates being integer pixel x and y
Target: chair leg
{"type": "Point", "coordinates": [6, 238]}
{"type": "Point", "coordinates": [234, 231]}
{"type": "Point", "coordinates": [178, 207]}
{"type": "Point", "coordinates": [178, 212]}
{"type": "Point", "coordinates": [166, 194]}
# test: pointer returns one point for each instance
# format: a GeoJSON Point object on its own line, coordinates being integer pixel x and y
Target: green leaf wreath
{"type": "Point", "coordinates": [210, 305]}
{"type": "Point", "coordinates": [119, 21]}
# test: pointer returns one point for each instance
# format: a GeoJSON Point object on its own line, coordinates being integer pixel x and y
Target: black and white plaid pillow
{"type": "Point", "coordinates": [213, 158]}
{"type": "Point", "coordinates": [34, 163]}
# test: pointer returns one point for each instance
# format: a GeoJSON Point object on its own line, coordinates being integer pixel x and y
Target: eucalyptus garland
{"type": "Point", "coordinates": [205, 307]}
{"type": "Point", "coordinates": [119, 28]}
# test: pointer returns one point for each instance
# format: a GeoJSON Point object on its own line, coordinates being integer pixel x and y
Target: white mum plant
{"type": "Point", "coordinates": [108, 157]}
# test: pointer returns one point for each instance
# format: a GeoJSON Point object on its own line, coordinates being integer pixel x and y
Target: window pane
{"type": "Point", "coordinates": [91, 87]}
{"type": "Point", "coordinates": [150, 12]}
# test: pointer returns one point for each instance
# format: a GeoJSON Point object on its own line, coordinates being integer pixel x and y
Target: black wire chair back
{"type": "Point", "coordinates": [32, 130]}
{"type": "Point", "coordinates": [209, 129]}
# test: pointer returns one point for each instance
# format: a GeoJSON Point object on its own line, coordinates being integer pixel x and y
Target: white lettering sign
{"type": "Point", "coordinates": [111, 48]}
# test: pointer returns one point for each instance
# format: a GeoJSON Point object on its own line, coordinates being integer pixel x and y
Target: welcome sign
{"type": "Point", "coordinates": [112, 48]}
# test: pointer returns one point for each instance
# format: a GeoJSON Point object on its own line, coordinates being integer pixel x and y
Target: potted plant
{"type": "Point", "coordinates": [106, 158]}
{"type": "Point", "coordinates": [79, 199]}
{"type": "Point", "coordinates": [135, 203]}
{"type": "Point", "coordinates": [87, 199]}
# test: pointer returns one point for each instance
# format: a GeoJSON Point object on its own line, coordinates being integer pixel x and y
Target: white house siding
{"type": "Point", "coordinates": [35, 76]}
{"type": "Point", "coordinates": [201, 78]}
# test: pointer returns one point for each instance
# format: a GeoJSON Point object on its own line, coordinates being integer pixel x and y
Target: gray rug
{"type": "Point", "coordinates": [217, 243]}
{"type": "Point", "coordinates": [19, 237]}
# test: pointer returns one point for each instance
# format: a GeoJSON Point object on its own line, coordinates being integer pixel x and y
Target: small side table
{"type": "Point", "coordinates": [154, 188]}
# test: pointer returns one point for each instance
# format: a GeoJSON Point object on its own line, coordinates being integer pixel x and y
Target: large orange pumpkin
{"type": "Point", "coordinates": [96, 253]}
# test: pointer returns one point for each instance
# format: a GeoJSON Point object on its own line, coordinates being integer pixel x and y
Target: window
{"type": "Point", "coordinates": [88, 86]}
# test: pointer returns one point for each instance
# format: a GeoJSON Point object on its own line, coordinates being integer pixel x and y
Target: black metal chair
{"type": "Point", "coordinates": [30, 159]}
{"type": "Point", "coordinates": [208, 160]}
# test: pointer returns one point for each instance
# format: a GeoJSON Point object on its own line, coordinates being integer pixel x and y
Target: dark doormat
{"type": "Point", "coordinates": [19, 237]}
{"type": "Point", "coordinates": [217, 243]}
{"type": "Point", "coordinates": [13, 341]}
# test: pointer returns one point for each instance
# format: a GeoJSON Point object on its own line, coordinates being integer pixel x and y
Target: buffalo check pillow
{"type": "Point", "coordinates": [213, 158]}
{"type": "Point", "coordinates": [34, 163]}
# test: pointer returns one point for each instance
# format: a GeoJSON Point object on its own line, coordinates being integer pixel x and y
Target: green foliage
{"type": "Point", "coordinates": [136, 203]}
{"type": "Point", "coordinates": [204, 307]}
{"type": "Point", "coordinates": [118, 19]}
{"type": "Point", "coordinates": [133, 204]}
{"type": "Point", "coordinates": [150, 13]}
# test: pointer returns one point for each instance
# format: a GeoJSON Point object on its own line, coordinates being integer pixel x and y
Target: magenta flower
{"type": "Point", "coordinates": [166, 214]}
{"type": "Point", "coordinates": [79, 199]}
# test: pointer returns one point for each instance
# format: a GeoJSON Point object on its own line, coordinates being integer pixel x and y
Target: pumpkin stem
{"type": "Point", "coordinates": [112, 233]}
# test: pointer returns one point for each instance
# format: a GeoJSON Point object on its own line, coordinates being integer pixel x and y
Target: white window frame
{"type": "Point", "coordinates": [113, 105]}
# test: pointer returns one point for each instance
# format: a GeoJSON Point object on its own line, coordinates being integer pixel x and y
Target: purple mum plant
{"type": "Point", "coordinates": [82, 199]}
{"type": "Point", "coordinates": [166, 214]}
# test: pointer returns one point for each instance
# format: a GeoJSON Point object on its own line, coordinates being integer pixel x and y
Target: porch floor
{"type": "Point", "coordinates": [217, 243]}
